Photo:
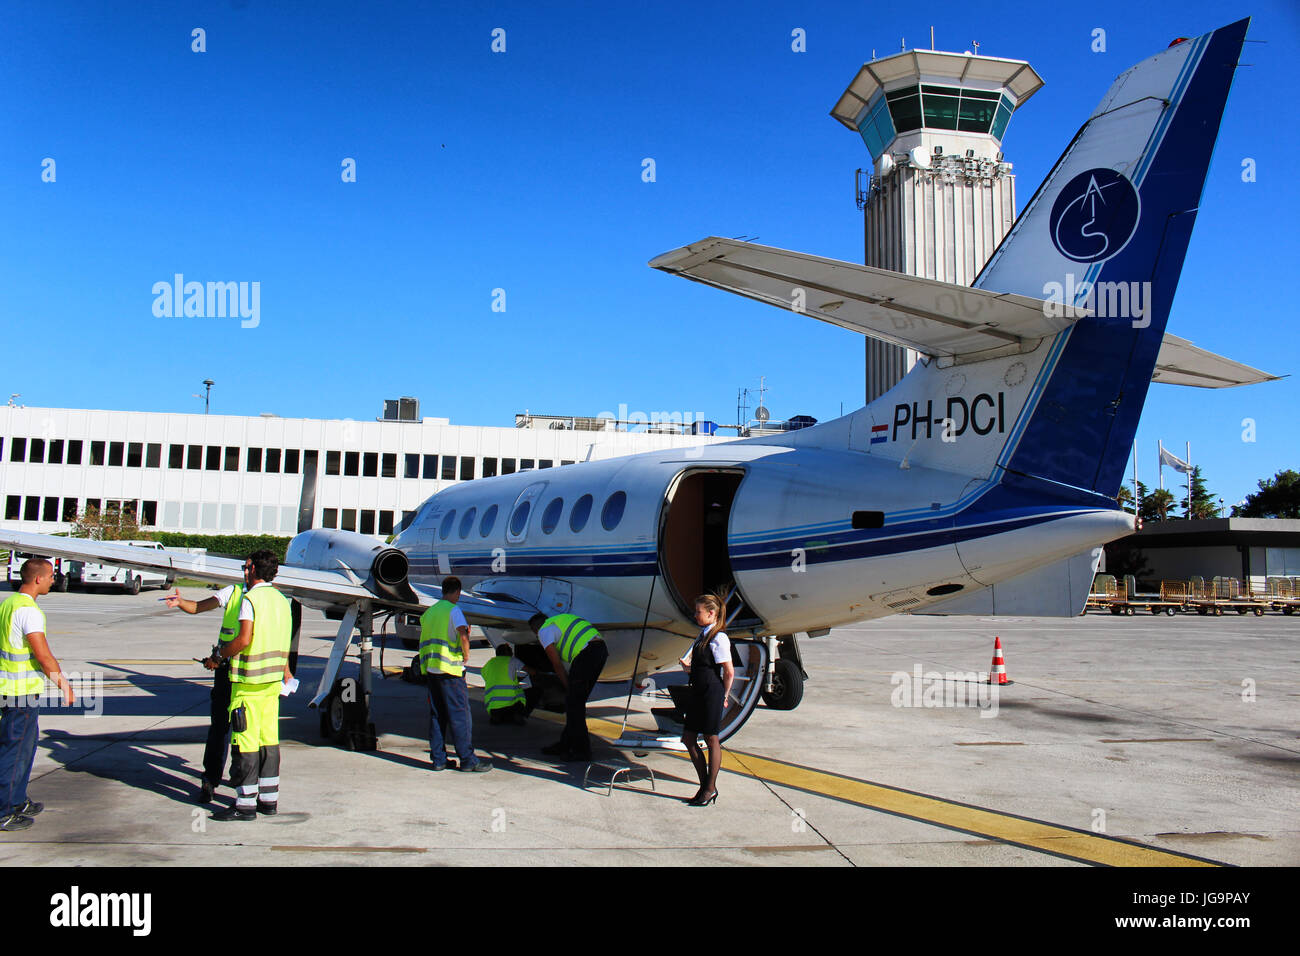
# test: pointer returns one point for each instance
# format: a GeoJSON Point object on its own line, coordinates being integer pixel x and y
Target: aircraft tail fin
{"type": "Point", "coordinates": [1108, 231]}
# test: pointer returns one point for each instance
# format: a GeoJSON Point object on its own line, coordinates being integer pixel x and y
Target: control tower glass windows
{"type": "Point", "coordinates": [905, 108]}
{"type": "Point", "coordinates": [944, 107]}
{"type": "Point", "coordinates": [875, 127]}
{"type": "Point", "coordinates": [1002, 118]}
{"type": "Point", "coordinates": [939, 104]}
{"type": "Point", "coordinates": [975, 113]}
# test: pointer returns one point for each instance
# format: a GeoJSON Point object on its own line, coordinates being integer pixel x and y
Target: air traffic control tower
{"type": "Point", "coordinates": [940, 196]}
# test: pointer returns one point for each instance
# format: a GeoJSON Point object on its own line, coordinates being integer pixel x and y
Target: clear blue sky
{"type": "Point", "coordinates": [522, 171]}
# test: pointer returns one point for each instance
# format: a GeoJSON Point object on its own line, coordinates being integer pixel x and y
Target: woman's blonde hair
{"type": "Point", "coordinates": [718, 605]}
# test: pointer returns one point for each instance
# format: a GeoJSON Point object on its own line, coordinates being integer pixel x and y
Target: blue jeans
{"type": "Point", "coordinates": [449, 714]}
{"type": "Point", "coordinates": [18, 732]}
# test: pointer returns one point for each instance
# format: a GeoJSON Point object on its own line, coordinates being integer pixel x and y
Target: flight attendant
{"type": "Point", "coordinates": [709, 664]}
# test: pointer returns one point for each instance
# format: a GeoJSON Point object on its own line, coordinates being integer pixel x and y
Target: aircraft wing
{"type": "Point", "coordinates": [937, 318]}
{"type": "Point", "coordinates": [306, 584]}
{"type": "Point", "coordinates": [1182, 363]}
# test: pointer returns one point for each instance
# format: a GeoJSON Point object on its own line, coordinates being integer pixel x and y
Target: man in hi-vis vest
{"type": "Point", "coordinates": [230, 599]}
{"type": "Point", "coordinates": [444, 648]}
{"type": "Point", "coordinates": [259, 663]}
{"type": "Point", "coordinates": [24, 657]}
{"type": "Point", "coordinates": [578, 654]}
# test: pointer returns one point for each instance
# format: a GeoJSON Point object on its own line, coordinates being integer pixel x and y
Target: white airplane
{"type": "Point", "coordinates": [983, 483]}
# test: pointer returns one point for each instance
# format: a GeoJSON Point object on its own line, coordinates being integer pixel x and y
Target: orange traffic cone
{"type": "Point", "coordinates": [998, 675]}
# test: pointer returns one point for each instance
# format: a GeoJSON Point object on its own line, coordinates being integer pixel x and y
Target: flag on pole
{"type": "Point", "coordinates": [1173, 461]}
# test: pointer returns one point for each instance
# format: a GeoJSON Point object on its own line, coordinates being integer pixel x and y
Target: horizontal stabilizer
{"type": "Point", "coordinates": [941, 319]}
{"type": "Point", "coordinates": [1182, 363]}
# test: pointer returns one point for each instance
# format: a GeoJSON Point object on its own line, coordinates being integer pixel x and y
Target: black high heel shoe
{"type": "Point", "coordinates": [701, 800]}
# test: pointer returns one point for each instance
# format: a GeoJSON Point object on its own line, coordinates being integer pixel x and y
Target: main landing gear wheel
{"type": "Point", "coordinates": [787, 686]}
{"type": "Point", "coordinates": [343, 718]}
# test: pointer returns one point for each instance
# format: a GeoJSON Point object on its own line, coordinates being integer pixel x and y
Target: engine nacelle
{"type": "Point", "coordinates": [380, 568]}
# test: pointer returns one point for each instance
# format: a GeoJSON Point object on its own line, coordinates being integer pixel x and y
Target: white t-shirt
{"type": "Point", "coordinates": [720, 646]}
{"type": "Point", "coordinates": [549, 635]}
{"type": "Point", "coordinates": [26, 620]}
{"type": "Point", "coordinates": [246, 608]}
{"type": "Point", "coordinates": [454, 623]}
{"type": "Point", "coordinates": [224, 595]}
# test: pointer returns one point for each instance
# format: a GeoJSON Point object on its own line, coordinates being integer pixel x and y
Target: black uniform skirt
{"type": "Point", "coordinates": [704, 702]}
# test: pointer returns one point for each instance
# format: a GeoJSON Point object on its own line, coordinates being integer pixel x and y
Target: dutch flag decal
{"type": "Point", "coordinates": [879, 433]}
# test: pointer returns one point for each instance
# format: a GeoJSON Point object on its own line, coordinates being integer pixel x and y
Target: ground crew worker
{"type": "Point", "coordinates": [230, 599]}
{"type": "Point", "coordinates": [444, 648]}
{"type": "Point", "coordinates": [507, 698]}
{"type": "Point", "coordinates": [259, 662]}
{"type": "Point", "coordinates": [569, 640]}
{"type": "Point", "coordinates": [24, 656]}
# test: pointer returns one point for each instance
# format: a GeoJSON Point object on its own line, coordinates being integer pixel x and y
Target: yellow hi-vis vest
{"type": "Point", "coordinates": [230, 619]}
{"type": "Point", "coordinates": [438, 653]}
{"type": "Point", "coordinates": [499, 689]}
{"type": "Point", "coordinates": [575, 634]}
{"type": "Point", "coordinates": [263, 661]}
{"type": "Point", "coordinates": [20, 675]}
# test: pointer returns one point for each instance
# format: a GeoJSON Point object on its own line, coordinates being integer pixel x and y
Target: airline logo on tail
{"type": "Point", "coordinates": [1095, 215]}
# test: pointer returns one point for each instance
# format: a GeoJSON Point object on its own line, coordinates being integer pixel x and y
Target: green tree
{"type": "Point", "coordinates": [1156, 505]}
{"type": "Point", "coordinates": [1278, 497]}
{"type": "Point", "coordinates": [110, 525]}
{"type": "Point", "coordinates": [1204, 504]}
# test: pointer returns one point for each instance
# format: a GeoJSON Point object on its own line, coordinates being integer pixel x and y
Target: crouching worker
{"type": "Point", "coordinates": [507, 688]}
{"type": "Point", "coordinates": [259, 662]}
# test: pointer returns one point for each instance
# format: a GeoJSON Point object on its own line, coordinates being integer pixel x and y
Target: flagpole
{"type": "Point", "coordinates": [1160, 461]}
{"type": "Point", "coordinates": [1189, 481]}
{"type": "Point", "coordinates": [1137, 502]}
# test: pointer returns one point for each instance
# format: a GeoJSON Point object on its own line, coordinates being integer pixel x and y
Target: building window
{"type": "Point", "coordinates": [332, 462]}
{"type": "Point", "coordinates": [37, 455]}
{"type": "Point", "coordinates": [390, 465]}
{"type": "Point", "coordinates": [370, 464]}
{"type": "Point", "coordinates": [407, 517]}
{"type": "Point", "coordinates": [367, 522]}
{"type": "Point", "coordinates": [232, 462]}
{"type": "Point", "coordinates": [13, 507]}
{"type": "Point", "coordinates": [153, 455]}
{"type": "Point", "coordinates": [69, 509]}
{"type": "Point", "coordinates": [273, 461]}
{"type": "Point", "coordinates": [489, 467]}
{"type": "Point", "coordinates": [563, 463]}
{"type": "Point", "coordinates": [330, 518]}
{"type": "Point", "coordinates": [254, 462]}
{"type": "Point", "coordinates": [351, 463]}
{"type": "Point", "coordinates": [507, 466]}
{"type": "Point", "coordinates": [194, 458]}
{"type": "Point", "coordinates": [448, 467]}
{"type": "Point", "coordinates": [74, 451]}
{"type": "Point", "coordinates": [115, 450]}
{"type": "Point", "coordinates": [51, 510]}
{"type": "Point", "coordinates": [56, 451]}
{"type": "Point", "coordinates": [18, 451]}
{"type": "Point", "coordinates": [96, 452]}
{"type": "Point", "coordinates": [385, 523]}
{"type": "Point", "coordinates": [175, 456]}
{"type": "Point", "coordinates": [32, 508]}
{"type": "Point", "coordinates": [526, 463]}
{"type": "Point", "coordinates": [349, 519]}
{"type": "Point", "coordinates": [93, 503]}
{"type": "Point", "coordinates": [135, 454]}
{"type": "Point", "coordinates": [430, 466]}
{"type": "Point", "coordinates": [412, 467]}
{"type": "Point", "coordinates": [213, 463]}
{"type": "Point", "coordinates": [149, 513]}
{"type": "Point", "coordinates": [291, 460]}
{"type": "Point", "coordinates": [466, 469]}
{"type": "Point", "coordinates": [546, 463]}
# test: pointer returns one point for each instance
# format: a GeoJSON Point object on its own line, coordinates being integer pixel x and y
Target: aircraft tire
{"type": "Point", "coordinates": [787, 686]}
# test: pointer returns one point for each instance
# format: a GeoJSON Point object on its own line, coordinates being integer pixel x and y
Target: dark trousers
{"type": "Point", "coordinates": [214, 752]}
{"type": "Point", "coordinates": [18, 732]}
{"type": "Point", "coordinates": [256, 777]}
{"type": "Point", "coordinates": [583, 674]}
{"type": "Point", "coordinates": [449, 717]}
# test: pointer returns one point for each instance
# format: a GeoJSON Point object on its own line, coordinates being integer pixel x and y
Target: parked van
{"type": "Point", "coordinates": [66, 571]}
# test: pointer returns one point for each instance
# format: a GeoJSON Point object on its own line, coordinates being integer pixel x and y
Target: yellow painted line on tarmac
{"type": "Point", "coordinates": [1071, 844]}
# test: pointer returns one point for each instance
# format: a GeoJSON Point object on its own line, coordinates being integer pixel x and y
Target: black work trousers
{"type": "Point", "coordinates": [583, 674]}
{"type": "Point", "coordinates": [218, 745]}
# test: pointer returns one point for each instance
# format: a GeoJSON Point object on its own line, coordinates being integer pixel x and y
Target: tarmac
{"type": "Point", "coordinates": [1151, 741]}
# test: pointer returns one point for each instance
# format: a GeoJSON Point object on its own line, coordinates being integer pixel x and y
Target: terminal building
{"type": "Point", "coordinates": [229, 474]}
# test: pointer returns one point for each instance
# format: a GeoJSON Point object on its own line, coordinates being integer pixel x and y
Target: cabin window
{"type": "Point", "coordinates": [489, 519]}
{"type": "Point", "coordinates": [581, 512]}
{"type": "Point", "coordinates": [551, 516]}
{"type": "Point", "coordinates": [447, 522]}
{"type": "Point", "coordinates": [467, 523]}
{"type": "Point", "coordinates": [612, 513]}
